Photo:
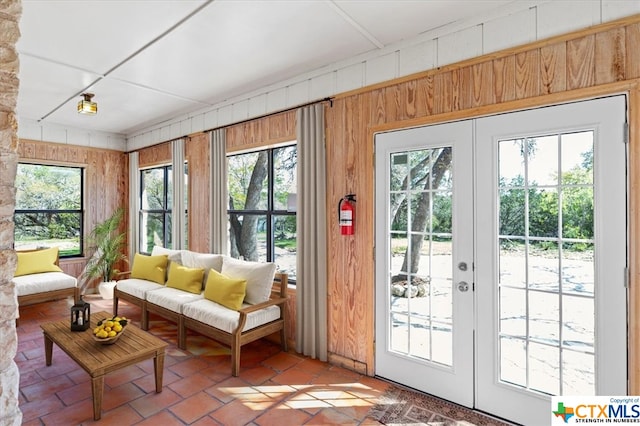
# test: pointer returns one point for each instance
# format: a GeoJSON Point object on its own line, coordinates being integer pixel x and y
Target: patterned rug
{"type": "Point", "coordinates": [404, 407]}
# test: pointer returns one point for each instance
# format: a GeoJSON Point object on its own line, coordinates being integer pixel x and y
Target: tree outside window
{"type": "Point", "coordinates": [262, 218]}
{"type": "Point", "coordinates": [49, 208]}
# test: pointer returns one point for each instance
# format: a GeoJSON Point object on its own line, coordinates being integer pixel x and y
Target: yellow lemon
{"type": "Point", "coordinates": [102, 334]}
{"type": "Point", "coordinates": [117, 328]}
{"type": "Point", "coordinates": [117, 319]}
{"type": "Point", "coordinates": [108, 324]}
{"type": "Point", "coordinates": [107, 329]}
{"type": "Point", "coordinates": [96, 330]}
{"type": "Point", "coordinates": [112, 333]}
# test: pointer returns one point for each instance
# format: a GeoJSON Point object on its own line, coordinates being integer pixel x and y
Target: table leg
{"type": "Point", "coordinates": [97, 389]}
{"type": "Point", "coordinates": [158, 364]}
{"type": "Point", "coordinates": [48, 349]}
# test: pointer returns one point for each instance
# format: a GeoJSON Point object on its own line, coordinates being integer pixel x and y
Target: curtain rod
{"type": "Point", "coordinates": [327, 99]}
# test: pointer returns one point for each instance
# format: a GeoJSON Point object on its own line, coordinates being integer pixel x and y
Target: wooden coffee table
{"type": "Point", "coordinates": [133, 346]}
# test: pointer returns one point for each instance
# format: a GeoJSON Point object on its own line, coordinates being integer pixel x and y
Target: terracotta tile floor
{"type": "Point", "coordinates": [274, 388]}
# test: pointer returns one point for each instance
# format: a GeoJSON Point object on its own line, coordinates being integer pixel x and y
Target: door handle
{"type": "Point", "coordinates": [463, 286]}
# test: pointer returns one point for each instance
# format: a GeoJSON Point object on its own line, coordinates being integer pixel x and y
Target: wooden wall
{"type": "Point", "coordinates": [106, 182]}
{"type": "Point", "coordinates": [197, 154]}
{"type": "Point", "coordinates": [584, 64]}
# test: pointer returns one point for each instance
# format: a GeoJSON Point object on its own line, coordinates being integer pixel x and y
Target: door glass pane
{"type": "Point", "coordinates": [420, 242]}
{"type": "Point", "coordinates": [546, 261]}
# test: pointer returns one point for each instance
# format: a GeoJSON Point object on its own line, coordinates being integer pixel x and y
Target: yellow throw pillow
{"type": "Point", "coordinates": [226, 291]}
{"type": "Point", "coordinates": [151, 268]}
{"type": "Point", "coordinates": [183, 278]}
{"type": "Point", "coordinates": [38, 261]}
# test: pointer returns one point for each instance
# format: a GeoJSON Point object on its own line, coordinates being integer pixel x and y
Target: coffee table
{"type": "Point", "coordinates": [97, 359]}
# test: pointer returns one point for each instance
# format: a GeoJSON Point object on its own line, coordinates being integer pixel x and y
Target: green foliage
{"type": "Point", "coordinates": [52, 188]}
{"type": "Point", "coordinates": [106, 244]}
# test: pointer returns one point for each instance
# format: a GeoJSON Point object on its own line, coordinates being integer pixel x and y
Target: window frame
{"type": "Point", "coordinates": [167, 211]}
{"type": "Point", "coordinates": [79, 211]}
{"type": "Point", "coordinates": [270, 213]}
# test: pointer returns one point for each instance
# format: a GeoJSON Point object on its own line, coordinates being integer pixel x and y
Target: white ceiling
{"type": "Point", "coordinates": [150, 60]}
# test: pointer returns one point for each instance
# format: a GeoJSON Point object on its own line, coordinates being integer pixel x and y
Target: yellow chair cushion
{"type": "Point", "coordinates": [226, 291]}
{"type": "Point", "coordinates": [151, 268]}
{"type": "Point", "coordinates": [187, 279]}
{"type": "Point", "coordinates": [36, 262]}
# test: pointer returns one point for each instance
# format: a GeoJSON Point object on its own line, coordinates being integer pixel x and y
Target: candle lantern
{"type": "Point", "coordinates": [80, 315]}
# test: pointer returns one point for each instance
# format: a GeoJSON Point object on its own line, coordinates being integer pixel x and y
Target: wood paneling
{"type": "Point", "coordinates": [198, 156]}
{"type": "Point", "coordinates": [254, 134]}
{"type": "Point", "coordinates": [577, 66]}
{"type": "Point", "coordinates": [155, 155]}
{"type": "Point", "coordinates": [105, 187]}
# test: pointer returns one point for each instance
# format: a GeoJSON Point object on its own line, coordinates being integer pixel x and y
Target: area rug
{"type": "Point", "coordinates": [400, 406]}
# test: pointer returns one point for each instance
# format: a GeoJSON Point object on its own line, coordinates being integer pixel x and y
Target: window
{"type": "Point", "coordinates": [49, 208]}
{"type": "Point", "coordinates": [262, 217]}
{"type": "Point", "coordinates": [156, 201]}
{"type": "Point", "coordinates": [155, 208]}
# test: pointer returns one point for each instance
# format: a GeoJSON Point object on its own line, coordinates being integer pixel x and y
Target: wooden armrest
{"type": "Point", "coordinates": [258, 306]}
{"type": "Point", "coordinates": [119, 274]}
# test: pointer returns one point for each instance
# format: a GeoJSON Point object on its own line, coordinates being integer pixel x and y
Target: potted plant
{"type": "Point", "coordinates": [106, 244]}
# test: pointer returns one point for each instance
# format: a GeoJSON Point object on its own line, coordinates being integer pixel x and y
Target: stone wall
{"type": "Point", "coordinates": [10, 11]}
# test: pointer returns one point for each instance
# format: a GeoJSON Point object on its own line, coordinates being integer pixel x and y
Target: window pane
{"type": "Point", "coordinates": [151, 231]}
{"type": "Point", "coordinates": [41, 187]}
{"type": "Point", "coordinates": [284, 174]}
{"type": "Point", "coordinates": [248, 237]}
{"type": "Point", "coordinates": [169, 185]}
{"type": "Point", "coordinates": [247, 177]}
{"type": "Point", "coordinates": [34, 230]}
{"type": "Point", "coordinates": [286, 245]}
{"type": "Point", "coordinates": [153, 189]}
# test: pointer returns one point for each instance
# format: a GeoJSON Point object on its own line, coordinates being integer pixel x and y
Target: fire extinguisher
{"type": "Point", "coordinates": [347, 214]}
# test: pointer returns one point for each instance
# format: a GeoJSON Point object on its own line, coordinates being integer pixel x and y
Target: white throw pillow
{"type": "Point", "coordinates": [173, 255]}
{"type": "Point", "coordinates": [259, 276]}
{"type": "Point", "coordinates": [206, 261]}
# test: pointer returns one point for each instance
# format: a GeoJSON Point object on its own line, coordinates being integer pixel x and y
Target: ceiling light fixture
{"type": "Point", "coordinates": [86, 105]}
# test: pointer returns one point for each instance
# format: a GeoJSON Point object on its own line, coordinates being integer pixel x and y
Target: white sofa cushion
{"type": "Point", "coordinates": [225, 319]}
{"type": "Point", "coordinates": [137, 287]}
{"type": "Point", "coordinates": [206, 261]}
{"type": "Point", "coordinates": [259, 276]}
{"type": "Point", "coordinates": [172, 298]}
{"type": "Point", "coordinates": [40, 283]}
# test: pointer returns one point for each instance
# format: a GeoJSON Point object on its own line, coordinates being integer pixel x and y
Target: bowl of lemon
{"type": "Point", "coordinates": [109, 330]}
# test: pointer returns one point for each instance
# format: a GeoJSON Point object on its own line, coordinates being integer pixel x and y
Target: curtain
{"type": "Point", "coordinates": [134, 204]}
{"type": "Point", "coordinates": [219, 195]}
{"type": "Point", "coordinates": [311, 273]}
{"type": "Point", "coordinates": [178, 236]}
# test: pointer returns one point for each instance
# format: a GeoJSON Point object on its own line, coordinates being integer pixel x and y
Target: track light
{"type": "Point", "coordinates": [86, 105]}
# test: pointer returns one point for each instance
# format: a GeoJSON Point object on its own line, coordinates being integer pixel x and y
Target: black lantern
{"type": "Point", "coordinates": [80, 315]}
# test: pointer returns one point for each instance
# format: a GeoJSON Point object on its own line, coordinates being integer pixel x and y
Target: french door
{"type": "Point", "coordinates": [500, 258]}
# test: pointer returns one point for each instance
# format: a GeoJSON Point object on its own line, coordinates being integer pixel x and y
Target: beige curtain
{"type": "Point", "coordinates": [134, 204]}
{"type": "Point", "coordinates": [219, 196]}
{"type": "Point", "coordinates": [311, 273]}
{"type": "Point", "coordinates": [178, 236]}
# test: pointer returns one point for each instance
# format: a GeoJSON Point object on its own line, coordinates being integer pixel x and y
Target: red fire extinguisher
{"type": "Point", "coordinates": [347, 214]}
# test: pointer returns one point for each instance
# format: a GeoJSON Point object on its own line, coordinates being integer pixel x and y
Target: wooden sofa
{"type": "Point", "coordinates": [235, 328]}
{"type": "Point", "coordinates": [45, 286]}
